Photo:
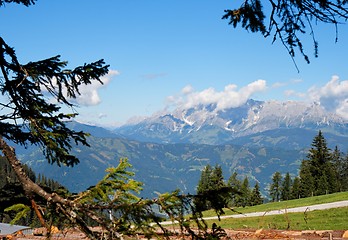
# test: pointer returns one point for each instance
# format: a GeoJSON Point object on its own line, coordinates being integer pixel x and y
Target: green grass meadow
{"type": "Point", "coordinates": [331, 219]}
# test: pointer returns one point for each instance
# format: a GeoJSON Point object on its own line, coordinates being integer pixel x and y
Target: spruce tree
{"type": "Point", "coordinates": [256, 197]}
{"type": "Point", "coordinates": [344, 174]}
{"type": "Point", "coordinates": [212, 191]}
{"type": "Point", "coordinates": [286, 187]}
{"type": "Point", "coordinates": [245, 193]}
{"type": "Point", "coordinates": [295, 188]}
{"type": "Point", "coordinates": [321, 167]}
{"type": "Point", "coordinates": [236, 185]}
{"type": "Point", "coordinates": [204, 185]}
{"type": "Point", "coordinates": [217, 178]}
{"type": "Point", "coordinates": [307, 185]}
{"type": "Point", "coordinates": [337, 161]}
{"type": "Point", "coordinates": [275, 188]}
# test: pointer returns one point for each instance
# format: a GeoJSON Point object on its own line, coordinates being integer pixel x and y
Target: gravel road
{"type": "Point", "coordinates": [281, 211]}
{"type": "Point", "coordinates": [289, 210]}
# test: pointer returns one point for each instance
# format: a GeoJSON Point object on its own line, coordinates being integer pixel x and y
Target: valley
{"type": "Point", "coordinates": [165, 158]}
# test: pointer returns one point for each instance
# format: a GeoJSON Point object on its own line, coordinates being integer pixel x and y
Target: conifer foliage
{"type": "Point", "coordinates": [318, 173]}
{"type": "Point", "coordinates": [323, 172]}
{"type": "Point", "coordinates": [275, 189]}
{"type": "Point", "coordinates": [214, 193]}
{"type": "Point", "coordinates": [12, 195]}
{"type": "Point", "coordinates": [256, 197]}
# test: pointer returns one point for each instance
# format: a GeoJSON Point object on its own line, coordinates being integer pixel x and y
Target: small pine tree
{"type": "Point", "coordinates": [307, 186]}
{"type": "Point", "coordinates": [286, 188]}
{"type": "Point", "coordinates": [275, 188]}
{"type": "Point", "coordinates": [212, 191]}
{"type": "Point", "coordinates": [319, 172]}
{"type": "Point", "coordinates": [319, 154]}
{"type": "Point", "coordinates": [295, 189]}
{"type": "Point", "coordinates": [344, 174]}
{"type": "Point", "coordinates": [336, 171]}
{"type": "Point", "coordinates": [204, 185]}
{"type": "Point", "coordinates": [322, 185]}
{"type": "Point", "coordinates": [235, 184]}
{"type": "Point", "coordinates": [245, 193]}
{"type": "Point", "coordinates": [256, 197]}
{"type": "Point", "coordinates": [217, 178]}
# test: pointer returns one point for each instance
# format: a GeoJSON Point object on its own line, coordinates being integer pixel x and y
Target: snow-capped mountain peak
{"type": "Point", "coordinates": [206, 124]}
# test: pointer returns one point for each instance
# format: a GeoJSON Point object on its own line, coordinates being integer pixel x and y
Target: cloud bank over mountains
{"type": "Point", "coordinates": [333, 96]}
{"type": "Point", "coordinates": [230, 97]}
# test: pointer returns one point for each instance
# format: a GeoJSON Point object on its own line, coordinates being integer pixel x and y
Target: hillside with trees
{"type": "Point", "coordinates": [234, 193]}
{"type": "Point", "coordinates": [324, 171]}
{"type": "Point", "coordinates": [13, 198]}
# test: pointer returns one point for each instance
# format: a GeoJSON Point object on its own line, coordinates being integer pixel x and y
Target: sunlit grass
{"type": "Point", "coordinates": [285, 204]}
{"type": "Point", "coordinates": [332, 219]}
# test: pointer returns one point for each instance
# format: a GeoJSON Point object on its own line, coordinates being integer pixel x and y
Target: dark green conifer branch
{"type": "Point", "coordinates": [31, 118]}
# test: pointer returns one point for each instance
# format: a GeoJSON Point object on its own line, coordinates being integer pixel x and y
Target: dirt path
{"type": "Point", "coordinates": [289, 210]}
{"type": "Point", "coordinates": [281, 211]}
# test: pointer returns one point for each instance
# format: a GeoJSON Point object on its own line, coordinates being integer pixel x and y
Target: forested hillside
{"type": "Point", "coordinates": [166, 167]}
{"type": "Point", "coordinates": [11, 193]}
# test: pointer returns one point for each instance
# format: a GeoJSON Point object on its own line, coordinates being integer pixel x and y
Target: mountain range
{"type": "Point", "coordinates": [169, 149]}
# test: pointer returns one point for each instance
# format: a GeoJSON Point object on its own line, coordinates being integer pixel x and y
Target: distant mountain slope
{"type": "Point", "coordinates": [289, 139]}
{"type": "Point", "coordinates": [169, 150]}
{"type": "Point", "coordinates": [208, 125]}
{"type": "Point", "coordinates": [166, 167]}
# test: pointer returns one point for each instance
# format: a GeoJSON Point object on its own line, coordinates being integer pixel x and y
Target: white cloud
{"type": "Point", "coordinates": [230, 97]}
{"type": "Point", "coordinates": [342, 109]}
{"type": "Point", "coordinates": [187, 90]}
{"type": "Point", "coordinates": [333, 96]}
{"type": "Point", "coordinates": [89, 93]}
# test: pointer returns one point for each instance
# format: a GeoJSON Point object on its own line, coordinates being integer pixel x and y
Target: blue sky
{"type": "Point", "coordinates": [167, 53]}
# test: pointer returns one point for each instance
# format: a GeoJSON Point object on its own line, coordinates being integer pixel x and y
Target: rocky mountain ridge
{"type": "Point", "coordinates": [208, 125]}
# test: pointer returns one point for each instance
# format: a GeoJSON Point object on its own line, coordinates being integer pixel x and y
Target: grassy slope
{"type": "Point", "coordinates": [334, 219]}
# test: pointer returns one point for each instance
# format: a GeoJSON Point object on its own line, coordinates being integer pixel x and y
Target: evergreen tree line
{"type": "Point", "coordinates": [233, 193]}
{"type": "Point", "coordinates": [324, 171]}
{"type": "Point", "coordinates": [11, 191]}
